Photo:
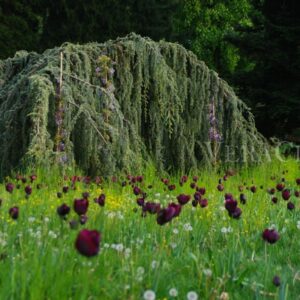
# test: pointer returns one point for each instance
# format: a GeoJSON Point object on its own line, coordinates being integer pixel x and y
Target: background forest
{"type": "Point", "coordinates": [253, 44]}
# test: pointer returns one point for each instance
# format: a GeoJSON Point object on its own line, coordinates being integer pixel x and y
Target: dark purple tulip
{"type": "Point", "coordinates": [195, 178]}
{"type": "Point", "coordinates": [203, 203]}
{"type": "Point", "coordinates": [124, 183]}
{"type": "Point", "coordinates": [184, 179]}
{"type": "Point", "coordinates": [276, 280]}
{"type": "Point", "coordinates": [172, 187]}
{"type": "Point", "coordinates": [236, 214]}
{"type": "Point", "coordinates": [243, 198]}
{"type": "Point", "coordinates": [33, 177]}
{"type": "Point", "coordinates": [136, 190]}
{"type": "Point", "coordinates": [193, 185]}
{"type": "Point", "coordinates": [274, 200]}
{"type": "Point", "coordinates": [151, 207]}
{"type": "Point", "coordinates": [165, 181]}
{"type": "Point", "coordinates": [270, 235]}
{"type": "Point", "coordinates": [298, 181]}
{"type": "Point", "coordinates": [197, 196]}
{"type": "Point", "coordinates": [101, 200]}
{"type": "Point", "coordinates": [201, 190]}
{"type": "Point", "coordinates": [231, 205]}
{"type": "Point", "coordinates": [63, 210]}
{"type": "Point", "coordinates": [140, 201]}
{"type": "Point", "coordinates": [228, 196]}
{"type": "Point", "coordinates": [271, 191]}
{"type": "Point", "coordinates": [297, 194]}
{"type": "Point", "coordinates": [65, 189]}
{"type": "Point", "coordinates": [24, 180]}
{"type": "Point", "coordinates": [225, 178]}
{"type": "Point", "coordinates": [139, 178]}
{"type": "Point", "coordinates": [88, 242]}
{"type": "Point", "coordinates": [28, 190]}
{"type": "Point", "coordinates": [220, 187]}
{"type": "Point", "coordinates": [165, 215]}
{"type": "Point", "coordinates": [73, 224]}
{"type": "Point", "coordinates": [114, 179]}
{"type": "Point", "coordinates": [83, 219]}
{"type": "Point", "coordinates": [290, 205]}
{"type": "Point", "coordinates": [81, 206]}
{"type": "Point", "coordinates": [14, 212]}
{"type": "Point", "coordinates": [253, 188]}
{"type": "Point", "coordinates": [177, 208]}
{"type": "Point", "coordinates": [85, 195]}
{"type": "Point", "coordinates": [280, 187]}
{"type": "Point", "coordinates": [59, 194]}
{"type": "Point", "coordinates": [194, 203]}
{"type": "Point", "coordinates": [183, 199]}
{"type": "Point", "coordinates": [9, 187]}
{"type": "Point", "coordinates": [286, 194]}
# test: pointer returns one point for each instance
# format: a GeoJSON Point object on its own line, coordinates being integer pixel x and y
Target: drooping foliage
{"type": "Point", "coordinates": [122, 102]}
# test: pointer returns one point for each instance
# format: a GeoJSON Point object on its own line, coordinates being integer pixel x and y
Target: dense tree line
{"type": "Point", "coordinates": [253, 44]}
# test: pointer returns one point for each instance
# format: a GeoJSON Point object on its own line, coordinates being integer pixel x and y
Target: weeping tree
{"type": "Point", "coordinates": [114, 106]}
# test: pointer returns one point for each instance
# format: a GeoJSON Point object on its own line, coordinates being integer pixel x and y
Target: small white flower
{"type": "Point", "coordinates": [207, 272]}
{"type": "Point", "coordinates": [173, 292]}
{"type": "Point", "coordinates": [113, 246]}
{"type": "Point", "coordinates": [283, 230]}
{"type": "Point", "coordinates": [298, 224]}
{"type": "Point", "coordinates": [119, 247]}
{"type": "Point", "coordinates": [229, 229]}
{"type": "Point", "coordinates": [31, 219]}
{"type": "Point", "coordinates": [157, 195]}
{"type": "Point", "coordinates": [149, 295]}
{"type": "Point", "coordinates": [127, 252]}
{"type": "Point", "coordinates": [222, 208]}
{"type": "Point", "coordinates": [224, 230]}
{"type": "Point", "coordinates": [175, 231]}
{"type": "Point", "coordinates": [154, 264]}
{"type": "Point", "coordinates": [127, 287]}
{"type": "Point", "coordinates": [140, 270]}
{"type": "Point", "coordinates": [46, 219]}
{"type": "Point", "coordinates": [192, 295]}
{"type": "Point", "coordinates": [106, 245]}
{"type": "Point", "coordinates": [187, 227]}
{"type": "Point", "coordinates": [173, 245]}
{"type": "Point", "coordinates": [52, 234]}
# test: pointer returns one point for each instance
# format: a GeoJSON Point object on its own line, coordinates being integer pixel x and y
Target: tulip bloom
{"type": "Point", "coordinates": [203, 203]}
{"type": "Point", "coordinates": [220, 187]}
{"type": "Point", "coordinates": [183, 199]}
{"type": "Point", "coordinates": [63, 210]}
{"type": "Point", "coordinates": [101, 200]}
{"type": "Point", "coordinates": [165, 215]}
{"type": "Point", "coordinates": [9, 187]}
{"type": "Point", "coordinates": [243, 198]}
{"type": "Point", "coordinates": [81, 206]}
{"type": "Point", "coordinates": [177, 208]}
{"type": "Point", "coordinates": [28, 190]}
{"type": "Point", "coordinates": [88, 242]}
{"type": "Point", "coordinates": [270, 235]}
{"type": "Point", "coordinates": [280, 187]}
{"type": "Point", "coordinates": [151, 207]}
{"type": "Point", "coordinates": [286, 194]}
{"type": "Point", "coordinates": [276, 280]}
{"type": "Point", "coordinates": [290, 206]}
{"type": "Point", "coordinates": [14, 212]}
{"type": "Point", "coordinates": [136, 190]}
